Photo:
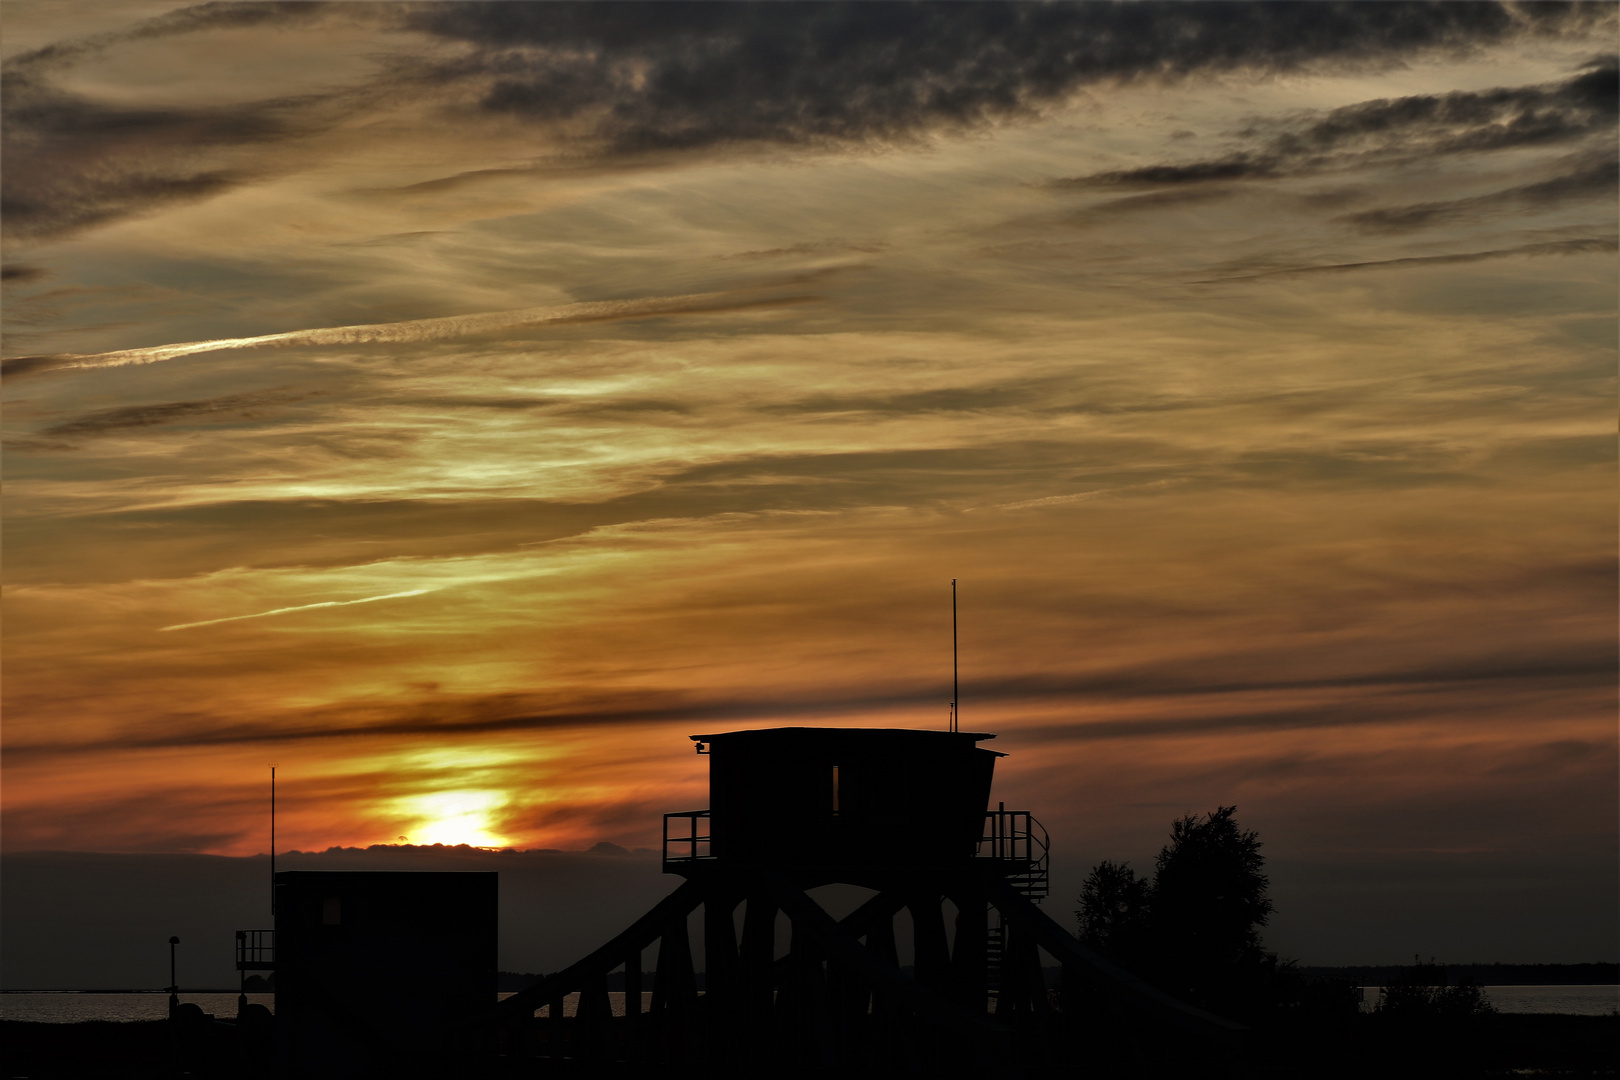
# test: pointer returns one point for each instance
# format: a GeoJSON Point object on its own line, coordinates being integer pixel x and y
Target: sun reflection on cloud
{"type": "Point", "coordinates": [454, 817]}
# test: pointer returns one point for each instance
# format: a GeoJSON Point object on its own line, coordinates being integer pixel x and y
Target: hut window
{"type": "Point", "coordinates": [835, 792]}
{"type": "Point", "coordinates": [332, 911]}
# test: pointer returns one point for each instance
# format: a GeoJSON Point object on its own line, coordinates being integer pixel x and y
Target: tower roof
{"type": "Point", "coordinates": [914, 740]}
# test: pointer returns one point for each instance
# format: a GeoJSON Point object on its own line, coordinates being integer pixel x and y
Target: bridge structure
{"type": "Point", "coordinates": [788, 989]}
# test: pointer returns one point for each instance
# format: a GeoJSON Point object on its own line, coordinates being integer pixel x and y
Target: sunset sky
{"type": "Point", "coordinates": [458, 405]}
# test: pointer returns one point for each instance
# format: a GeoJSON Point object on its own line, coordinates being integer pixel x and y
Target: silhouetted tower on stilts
{"type": "Point", "coordinates": [904, 813]}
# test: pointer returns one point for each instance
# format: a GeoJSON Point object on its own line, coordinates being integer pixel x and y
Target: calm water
{"type": "Point", "coordinates": [67, 1008]}
{"type": "Point", "coordinates": [1580, 1000]}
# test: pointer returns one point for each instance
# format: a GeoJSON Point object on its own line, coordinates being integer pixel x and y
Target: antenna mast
{"type": "Point", "coordinates": [956, 697]}
{"type": "Point", "coordinates": [272, 841]}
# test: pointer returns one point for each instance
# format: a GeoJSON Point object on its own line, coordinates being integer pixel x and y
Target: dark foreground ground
{"type": "Point", "coordinates": [1483, 1048]}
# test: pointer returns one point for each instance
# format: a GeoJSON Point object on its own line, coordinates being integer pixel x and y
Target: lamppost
{"type": "Point", "coordinates": [174, 983]}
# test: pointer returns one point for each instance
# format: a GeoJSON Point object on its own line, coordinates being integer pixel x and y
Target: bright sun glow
{"type": "Point", "coordinates": [454, 817]}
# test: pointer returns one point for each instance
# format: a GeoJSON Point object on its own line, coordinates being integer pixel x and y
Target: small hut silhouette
{"type": "Point", "coordinates": [904, 813]}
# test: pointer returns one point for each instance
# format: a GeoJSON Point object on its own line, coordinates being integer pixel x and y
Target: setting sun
{"type": "Point", "coordinates": [454, 817]}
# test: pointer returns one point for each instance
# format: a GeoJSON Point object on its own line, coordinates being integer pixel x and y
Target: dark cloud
{"type": "Point", "coordinates": [657, 76]}
{"type": "Point", "coordinates": [1233, 167]}
{"type": "Point", "coordinates": [819, 248]}
{"type": "Point", "coordinates": [1359, 712]}
{"type": "Point", "coordinates": [1150, 202]}
{"type": "Point", "coordinates": [442, 715]}
{"type": "Point", "coordinates": [1401, 128]}
{"type": "Point", "coordinates": [1040, 393]}
{"type": "Point", "coordinates": [125, 417]}
{"type": "Point", "coordinates": [73, 162]}
{"type": "Point", "coordinates": [638, 78]}
{"type": "Point", "coordinates": [1583, 246]}
{"type": "Point", "coordinates": [207, 16]}
{"type": "Point", "coordinates": [1470, 121]}
{"type": "Point", "coordinates": [35, 204]}
{"type": "Point", "coordinates": [1588, 179]}
{"type": "Point", "coordinates": [23, 274]}
{"type": "Point", "coordinates": [471, 715]}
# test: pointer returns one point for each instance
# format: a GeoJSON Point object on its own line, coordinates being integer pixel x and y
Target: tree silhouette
{"type": "Point", "coordinates": [1194, 928]}
{"type": "Point", "coordinates": [1114, 912]}
{"type": "Point", "coordinates": [1209, 897]}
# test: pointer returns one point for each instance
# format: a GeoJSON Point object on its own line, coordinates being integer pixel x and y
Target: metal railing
{"type": "Point", "coordinates": [1010, 836]}
{"type": "Point", "coordinates": [688, 844]}
{"type": "Point", "coordinates": [1014, 836]}
{"type": "Point", "coordinates": [255, 950]}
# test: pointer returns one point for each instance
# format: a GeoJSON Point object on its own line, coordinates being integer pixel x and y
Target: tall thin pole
{"type": "Point", "coordinates": [272, 841]}
{"type": "Point", "coordinates": [956, 694]}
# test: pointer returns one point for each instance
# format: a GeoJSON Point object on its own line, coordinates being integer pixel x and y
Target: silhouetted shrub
{"type": "Point", "coordinates": [1423, 991]}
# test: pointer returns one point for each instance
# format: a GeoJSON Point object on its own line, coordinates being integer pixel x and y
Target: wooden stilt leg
{"type": "Point", "coordinates": [932, 951]}
{"type": "Point", "coordinates": [633, 1022]}
{"type": "Point", "coordinates": [558, 1027]}
{"type": "Point", "coordinates": [674, 989]}
{"type": "Point", "coordinates": [880, 943]}
{"type": "Point", "coordinates": [969, 962]}
{"type": "Point", "coordinates": [756, 975]}
{"type": "Point", "coordinates": [720, 975]}
{"type": "Point", "coordinates": [593, 1019]}
{"type": "Point", "coordinates": [807, 1011]}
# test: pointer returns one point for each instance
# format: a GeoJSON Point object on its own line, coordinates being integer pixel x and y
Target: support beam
{"type": "Point", "coordinates": [634, 1021]}
{"type": "Point", "coordinates": [1107, 977]}
{"type": "Point", "coordinates": [970, 975]}
{"type": "Point", "coordinates": [931, 1006]}
{"type": "Point", "coordinates": [720, 995]}
{"type": "Point", "coordinates": [930, 949]}
{"type": "Point", "coordinates": [675, 990]}
{"type": "Point", "coordinates": [643, 932]}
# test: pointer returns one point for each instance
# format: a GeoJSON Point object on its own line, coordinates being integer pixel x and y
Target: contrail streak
{"type": "Point", "coordinates": [411, 330]}
{"type": "Point", "coordinates": [1054, 500]}
{"type": "Point", "coordinates": [300, 607]}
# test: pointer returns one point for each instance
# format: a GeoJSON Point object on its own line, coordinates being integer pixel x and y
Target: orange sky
{"type": "Point", "coordinates": [628, 374]}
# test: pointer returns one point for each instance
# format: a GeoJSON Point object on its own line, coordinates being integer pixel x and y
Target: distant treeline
{"type": "Point", "coordinates": [1366, 975]}
{"type": "Point", "coordinates": [1484, 974]}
